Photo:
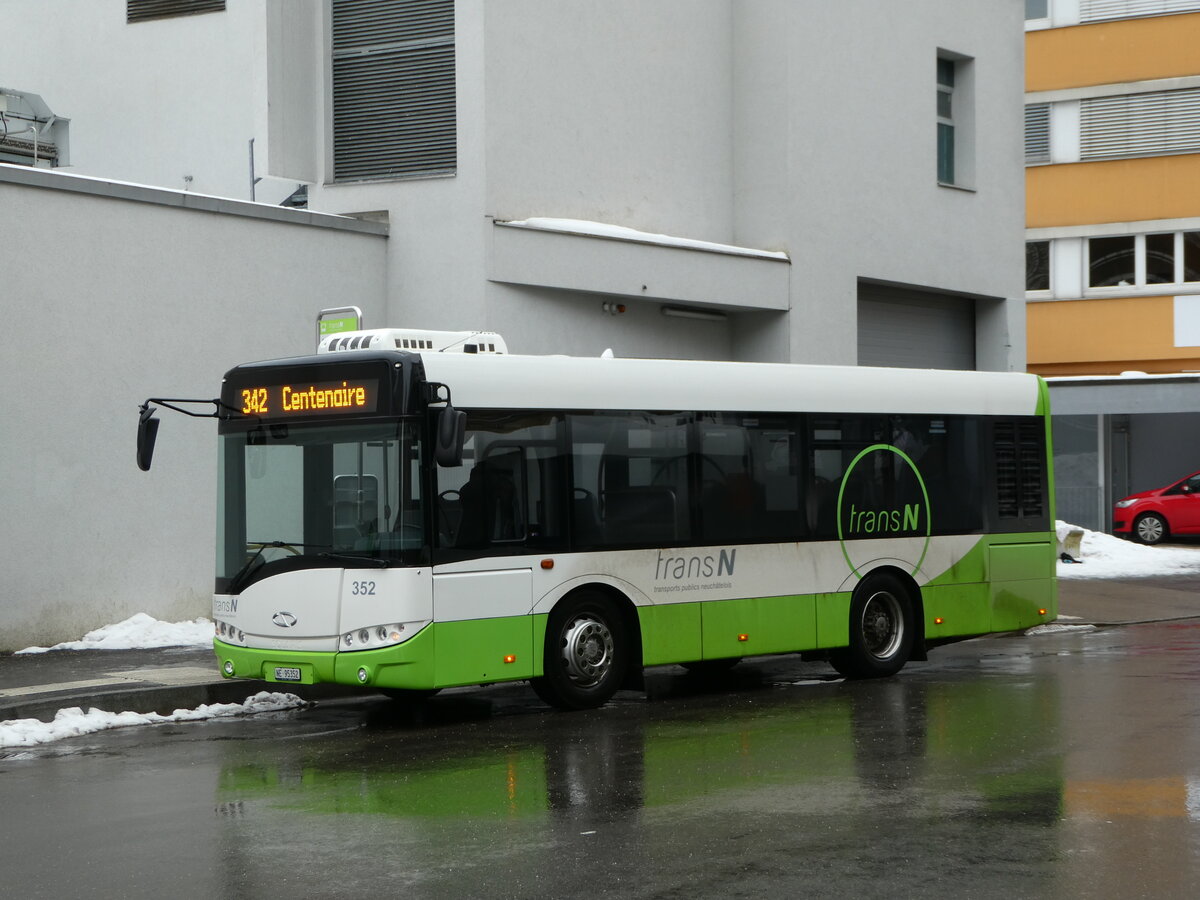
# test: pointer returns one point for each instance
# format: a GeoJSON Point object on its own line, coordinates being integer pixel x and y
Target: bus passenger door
{"type": "Point", "coordinates": [497, 513]}
{"type": "Point", "coordinates": [484, 630]}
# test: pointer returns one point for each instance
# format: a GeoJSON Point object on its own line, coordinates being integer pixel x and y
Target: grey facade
{"type": "Point", "coordinates": [799, 137]}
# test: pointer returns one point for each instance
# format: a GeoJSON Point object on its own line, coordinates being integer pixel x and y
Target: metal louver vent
{"type": "Point", "coordinates": [393, 89]}
{"type": "Point", "coordinates": [1130, 125]}
{"type": "Point", "coordinates": [1105, 10]}
{"type": "Point", "coordinates": [145, 10]}
{"type": "Point", "coordinates": [1029, 454]}
{"type": "Point", "coordinates": [1037, 133]}
{"type": "Point", "coordinates": [1007, 491]}
{"type": "Point", "coordinates": [1020, 470]}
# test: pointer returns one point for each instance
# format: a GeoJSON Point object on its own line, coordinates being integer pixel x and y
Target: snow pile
{"type": "Point", "coordinates": [1106, 556]}
{"type": "Point", "coordinates": [1058, 628]}
{"type": "Point", "coordinates": [139, 632]}
{"type": "Point", "coordinates": [74, 722]}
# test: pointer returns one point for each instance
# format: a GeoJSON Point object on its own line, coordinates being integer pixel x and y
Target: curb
{"type": "Point", "coordinates": [165, 699]}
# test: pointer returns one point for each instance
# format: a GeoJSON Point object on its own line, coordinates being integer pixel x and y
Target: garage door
{"type": "Point", "coordinates": [904, 327]}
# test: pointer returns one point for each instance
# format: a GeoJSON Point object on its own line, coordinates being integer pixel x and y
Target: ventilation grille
{"type": "Point", "coordinates": [1020, 470]}
{"type": "Point", "coordinates": [145, 10]}
{"type": "Point", "coordinates": [1132, 125]}
{"type": "Point", "coordinates": [1037, 133]}
{"type": "Point", "coordinates": [393, 89]}
{"type": "Point", "coordinates": [1106, 10]}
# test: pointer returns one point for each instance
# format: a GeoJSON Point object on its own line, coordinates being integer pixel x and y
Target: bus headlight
{"type": "Point", "coordinates": [374, 637]}
{"type": "Point", "coordinates": [228, 633]}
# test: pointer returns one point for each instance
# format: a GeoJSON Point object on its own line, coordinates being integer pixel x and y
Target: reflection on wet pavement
{"type": "Point", "coordinates": [1053, 766]}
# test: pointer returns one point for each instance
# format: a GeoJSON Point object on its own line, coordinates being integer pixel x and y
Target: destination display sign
{"type": "Point", "coordinates": [302, 398]}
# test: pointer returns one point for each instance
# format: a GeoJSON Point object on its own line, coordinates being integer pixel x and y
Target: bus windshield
{"type": "Point", "coordinates": [295, 496]}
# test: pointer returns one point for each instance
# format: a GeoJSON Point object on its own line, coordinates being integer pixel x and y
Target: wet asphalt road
{"type": "Point", "coordinates": [1057, 766]}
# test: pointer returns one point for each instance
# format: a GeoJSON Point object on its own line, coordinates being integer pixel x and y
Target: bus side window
{"type": "Point", "coordinates": [631, 479]}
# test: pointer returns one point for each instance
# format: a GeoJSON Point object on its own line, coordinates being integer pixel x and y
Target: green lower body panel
{"type": "Point", "coordinates": [758, 626]}
{"type": "Point", "coordinates": [443, 654]}
{"type": "Point", "coordinates": [670, 633]}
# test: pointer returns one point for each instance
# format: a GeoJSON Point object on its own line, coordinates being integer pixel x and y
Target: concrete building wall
{"type": "Point", "coordinates": [806, 129]}
{"type": "Point", "coordinates": [113, 295]}
{"type": "Point", "coordinates": [154, 102]}
{"type": "Point", "coordinates": [770, 124]}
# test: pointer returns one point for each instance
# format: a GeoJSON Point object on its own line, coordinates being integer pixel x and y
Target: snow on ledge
{"type": "Point", "coordinates": [620, 233]}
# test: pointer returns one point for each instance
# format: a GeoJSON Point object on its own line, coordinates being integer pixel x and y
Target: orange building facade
{"type": "Point", "coordinates": [1113, 186]}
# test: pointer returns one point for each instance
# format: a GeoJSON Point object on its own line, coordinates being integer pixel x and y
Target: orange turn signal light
{"type": "Point", "coordinates": [938, 620]}
{"type": "Point", "coordinates": [743, 638]}
{"type": "Point", "coordinates": [510, 658]}
{"type": "Point", "coordinates": [547, 564]}
{"type": "Point", "coordinates": [1041, 612]}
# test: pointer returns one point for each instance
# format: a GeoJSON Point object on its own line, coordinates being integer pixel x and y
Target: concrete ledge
{"type": "Point", "coordinates": [26, 176]}
{"type": "Point", "coordinates": [635, 269]}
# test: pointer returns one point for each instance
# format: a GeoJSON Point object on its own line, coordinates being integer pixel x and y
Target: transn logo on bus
{"type": "Point", "coordinates": [677, 574]}
{"type": "Point", "coordinates": [882, 495]}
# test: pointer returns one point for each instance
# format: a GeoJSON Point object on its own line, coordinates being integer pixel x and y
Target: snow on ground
{"type": "Point", "coordinates": [74, 722]}
{"type": "Point", "coordinates": [1106, 556]}
{"type": "Point", "coordinates": [139, 632]}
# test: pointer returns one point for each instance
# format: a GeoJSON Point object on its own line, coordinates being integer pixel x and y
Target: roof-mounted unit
{"type": "Point", "coordinates": [30, 134]}
{"type": "Point", "coordinates": [414, 339]}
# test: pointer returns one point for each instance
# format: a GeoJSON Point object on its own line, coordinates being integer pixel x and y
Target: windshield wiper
{"type": "Point", "coordinates": [328, 552]}
{"type": "Point", "coordinates": [350, 557]}
{"type": "Point", "coordinates": [236, 579]}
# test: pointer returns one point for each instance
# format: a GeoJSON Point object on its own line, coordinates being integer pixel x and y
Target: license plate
{"type": "Point", "coordinates": [287, 673]}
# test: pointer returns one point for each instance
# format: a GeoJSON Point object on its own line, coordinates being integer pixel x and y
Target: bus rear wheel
{"type": "Point", "coordinates": [881, 629]}
{"type": "Point", "coordinates": [587, 653]}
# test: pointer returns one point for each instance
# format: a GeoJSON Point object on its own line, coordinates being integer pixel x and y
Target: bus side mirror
{"type": "Point", "coordinates": [450, 437]}
{"type": "Point", "coordinates": [147, 433]}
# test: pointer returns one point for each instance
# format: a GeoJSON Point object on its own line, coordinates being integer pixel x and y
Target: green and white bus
{"type": "Point", "coordinates": [407, 518]}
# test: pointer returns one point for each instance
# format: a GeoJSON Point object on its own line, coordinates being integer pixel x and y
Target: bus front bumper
{"type": "Point", "coordinates": [406, 666]}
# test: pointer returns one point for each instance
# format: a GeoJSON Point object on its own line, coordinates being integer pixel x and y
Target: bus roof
{"type": "Point", "coordinates": [589, 383]}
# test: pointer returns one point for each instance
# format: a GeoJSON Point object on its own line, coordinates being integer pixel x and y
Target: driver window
{"type": "Point", "coordinates": [508, 491]}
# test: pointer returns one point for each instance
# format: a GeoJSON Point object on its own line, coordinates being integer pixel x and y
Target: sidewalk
{"type": "Point", "coordinates": [38, 685]}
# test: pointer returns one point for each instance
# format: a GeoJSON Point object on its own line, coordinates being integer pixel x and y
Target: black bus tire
{"type": "Point", "coordinates": [882, 629]}
{"type": "Point", "coordinates": [587, 653]}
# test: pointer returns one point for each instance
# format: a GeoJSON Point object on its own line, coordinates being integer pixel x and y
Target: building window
{"type": "Point", "coordinates": [145, 10]}
{"type": "Point", "coordinates": [1112, 261]}
{"type": "Point", "coordinates": [393, 89]}
{"type": "Point", "coordinates": [1191, 255]}
{"type": "Point", "coordinates": [1037, 133]}
{"type": "Point", "coordinates": [945, 120]}
{"type": "Point", "coordinates": [1142, 263]}
{"type": "Point", "coordinates": [1160, 258]}
{"type": "Point", "coordinates": [1037, 9]}
{"type": "Point", "coordinates": [1132, 125]}
{"type": "Point", "coordinates": [1037, 265]}
{"type": "Point", "coordinates": [955, 119]}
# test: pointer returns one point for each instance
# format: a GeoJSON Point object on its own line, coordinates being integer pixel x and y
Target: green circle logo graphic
{"type": "Point", "coordinates": [905, 514]}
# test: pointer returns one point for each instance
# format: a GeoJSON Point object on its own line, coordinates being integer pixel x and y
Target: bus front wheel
{"type": "Point", "coordinates": [881, 629]}
{"type": "Point", "coordinates": [587, 653]}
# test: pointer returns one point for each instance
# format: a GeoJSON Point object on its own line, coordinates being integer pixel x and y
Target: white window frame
{"type": "Point", "coordinates": [1070, 263]}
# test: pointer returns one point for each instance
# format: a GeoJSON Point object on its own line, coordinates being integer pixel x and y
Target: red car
{"type": "Point", "coordinates": [1151, 516]}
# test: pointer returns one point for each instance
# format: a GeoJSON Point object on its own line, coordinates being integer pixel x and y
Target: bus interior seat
{"type": "Point", "coordinates": [640, 514]}
{"type": "Point", "coordinates": [585, 519]}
